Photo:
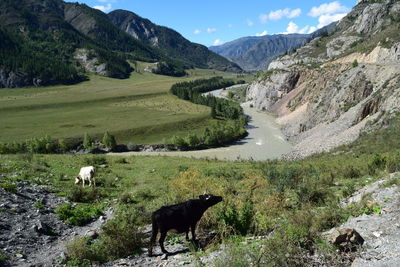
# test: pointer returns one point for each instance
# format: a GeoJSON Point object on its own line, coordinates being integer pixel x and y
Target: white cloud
{"type": "Point", "coordinates": [218, 42]}
{"type": "Point", "coordinates": [211, 30]}
{"type": "Point", "coordinates": [328, 9]}
{"type": "Point", "coordinates": [312, 29]}
{"type": "Point", "coordinates": [294, 28]}
{"type": "Point", "coordinates": [279, 14]}
{"type": "Point", "coordinates": [327, 19]}
{"type": "Point", "coordinates": [249, 23]}
{"type": "Point", "coordinates": [103, 8]}
{"type": "Point", "coordinates": [262, 33]}
{"type": "Point", "coordinates": [230, 25]}
{"type": "Point", "coordinates": [197, 31]}
{"type": "Point", "coordinates": [263, 18]}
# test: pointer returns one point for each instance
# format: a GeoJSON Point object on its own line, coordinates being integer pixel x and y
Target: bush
{"type": "Point", "coordinates": [95, 161]}
{"type": "Point", "coordinates": [121, 237]}
{"type": "Point", "coordinates": [80, 214]}
{"type": "Point", "coordinates": [80, 194]}
{"type": "Point", "coordinates": [237, 220]}
{"type": "Point", "coordinates": [378, 162]}
{"type": "Point", "coordinates": [355, 63]}
{"type": "Point", "coordinates": [12, 188]}
{"type": "Point", "coordinates": [88, 143]}
{"type": "Point", "coordinates": [109, 141]}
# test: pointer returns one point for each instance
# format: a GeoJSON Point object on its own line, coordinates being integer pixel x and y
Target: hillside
{"type": "Point", "coordinates": [335, 87]}
{"type": "Point", "coordinates": [255, 53]}
{"type": "Point", "coordinates": [170, 42]}
{"type": "Point", "coordinates": [52, 42]}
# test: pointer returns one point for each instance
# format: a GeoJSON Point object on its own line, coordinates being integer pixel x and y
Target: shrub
{"type": "Point", "coordinates": [12, 188]}
{"type": "Point", "coordinates": [121, 237]}
{"type": "Point", "coordinates": [95, 161]}
{"type": "Point", "coordinates": [109, 141]}
{"type": "Point", "coordinates": [393, 164]}
{"type": "Point", "coordinates": [378, 162]}
{"type": "Point", "coordinates": [355, 63]}
{"type": "Point", "coordinates": [79, 214]}
{"type": "Point", "coordinates": [88, 143]}
{"type": "Point", "coordinates": [80, 194]}
{"type": "Point", "coordinates": [237, 220]}
{"type": "Point", "coordinates": [121, 161]}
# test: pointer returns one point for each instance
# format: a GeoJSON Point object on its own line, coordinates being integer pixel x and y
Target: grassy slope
{"type": "Point", "coordinates": [295, 198]}
{"type": "Point", "coordinates": [137, 109]}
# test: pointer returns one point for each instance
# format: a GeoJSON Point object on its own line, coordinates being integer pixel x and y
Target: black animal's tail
{"type": "Point", "coordinates": [154, 232]}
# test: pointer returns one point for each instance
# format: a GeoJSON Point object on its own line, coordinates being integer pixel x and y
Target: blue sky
{"type": "Point", "coordinates": [213, 22]}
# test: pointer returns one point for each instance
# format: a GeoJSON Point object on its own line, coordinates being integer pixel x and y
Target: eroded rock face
{"type": "Point", "coordinates": [88, 59]}
{"type": "Point", "coordinates": [10, 79]}
{"type": "Point", "coordinates": [265, 93]}
{"type": "Point", "coordinates": [346, 239]}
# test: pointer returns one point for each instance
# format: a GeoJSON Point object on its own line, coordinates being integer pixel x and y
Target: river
{"type": "Point", "coordinates": [264, 141]}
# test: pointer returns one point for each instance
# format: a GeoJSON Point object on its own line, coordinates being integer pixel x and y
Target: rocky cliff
{"type": "Point", "coordinates": [336, 86]}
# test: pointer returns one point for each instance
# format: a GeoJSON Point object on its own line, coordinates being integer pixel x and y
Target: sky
{"type": "Point", "coordinates": [214, 22]}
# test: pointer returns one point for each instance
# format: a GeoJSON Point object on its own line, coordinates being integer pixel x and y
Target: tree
{"type": "Point", "coordinates": [109, 141]}
{"type": "Point", "coordinates": [88, 143]}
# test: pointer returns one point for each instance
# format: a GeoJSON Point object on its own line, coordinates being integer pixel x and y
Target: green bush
{"type": "Point", "coordinates": [88, 143]}
{"type": "Point", "coordinates": [79, 214]}
{"type": "Point", "coordinates": [355, 63]}
{"type": "Point", "coordinates": [236, 220]}
{"type": "Point", "coordinates": [86, 195]}
{"type": "Point", "coordinates": [119, 237]}
{"type": "Point", "coordinates": [109, 141]}
{"type": "Point", "coordinates": [378, 162]}
{"type": "Point", "coordinates": [9, 187]}
{"type": "Point", "coordinates": [96, 161]}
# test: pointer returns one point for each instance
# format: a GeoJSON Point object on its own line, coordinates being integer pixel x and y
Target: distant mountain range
{"type": "Point", "coordinates": [50, 42]}
{"type": "Point", "coordinates": [255, 53]}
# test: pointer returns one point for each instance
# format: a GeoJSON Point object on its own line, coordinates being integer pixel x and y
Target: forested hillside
{"type": "Point", "coordinates": [52, 42]}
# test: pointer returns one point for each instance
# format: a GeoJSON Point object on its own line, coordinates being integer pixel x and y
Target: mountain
{"type": "Point", "coordinates": [47, 42]}
{"type": "Point", "coordinates": [255, 53]}
{"type": "Point", "coordinates": [170, 42]}
{"type": "Point", "coordinates": [339, 85]}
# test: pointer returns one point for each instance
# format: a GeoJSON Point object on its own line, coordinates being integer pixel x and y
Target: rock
{"type": "Point", "coordinates": [103, 166]}
{"type": "Point", "coordinates": [43, 228]}
{"type": "Point", "coordinates": [346, 239]}
{"type": "Point", "coordinates": [92, 234]}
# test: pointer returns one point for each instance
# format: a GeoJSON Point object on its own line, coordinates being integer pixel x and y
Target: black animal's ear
{"type": "Point", "coordinates": [201, 197]}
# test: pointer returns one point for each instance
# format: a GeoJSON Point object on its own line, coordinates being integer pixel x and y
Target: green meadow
{"type": "Point", "coordinates": [139, 109]}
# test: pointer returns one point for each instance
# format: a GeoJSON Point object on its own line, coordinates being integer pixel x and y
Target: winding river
{"type": "Point", "coordinates": [264, 141]}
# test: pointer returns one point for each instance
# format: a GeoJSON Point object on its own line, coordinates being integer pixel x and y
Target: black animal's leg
{"type": "Point", "coordinates": [162, 238]}
{"type": "Point", "coordinates": [153, 238]}
{"type": "Point", "coordinates": [187, 234]}
{"type": "Point", "coordinates": [193, 229]}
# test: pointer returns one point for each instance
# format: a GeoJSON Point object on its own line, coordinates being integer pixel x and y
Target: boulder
{"type": "Point", "coordinates": [346, 239]}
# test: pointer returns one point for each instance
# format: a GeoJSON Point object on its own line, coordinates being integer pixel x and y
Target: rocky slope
{"type": "Point", "coordinates": [170, 42]}
{"type": "Point", "coordinates": [256, 53]}
{"type": "Point", "coordinates": [334, 87]}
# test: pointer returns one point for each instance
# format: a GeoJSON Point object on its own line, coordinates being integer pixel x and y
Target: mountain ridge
{"type": "Point", "coordinates": [56, 42]}
{"type": "Point", "coordinates": [256, 52]}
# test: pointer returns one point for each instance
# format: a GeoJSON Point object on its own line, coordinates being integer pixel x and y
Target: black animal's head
{"type": "Point", "coordinates": [210, 200]}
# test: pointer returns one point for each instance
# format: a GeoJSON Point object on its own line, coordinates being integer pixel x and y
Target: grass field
{"type": "Point", "coordinates": [138, 109]}
{"type": "Point", "coordinates": [297, 199]}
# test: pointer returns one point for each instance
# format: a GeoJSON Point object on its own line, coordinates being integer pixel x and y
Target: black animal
{"type": "Point", "coordinates": [180, 217]}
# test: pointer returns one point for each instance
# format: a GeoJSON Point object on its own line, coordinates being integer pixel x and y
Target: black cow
{"type": "Point", "coordinates": [180, 217]}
